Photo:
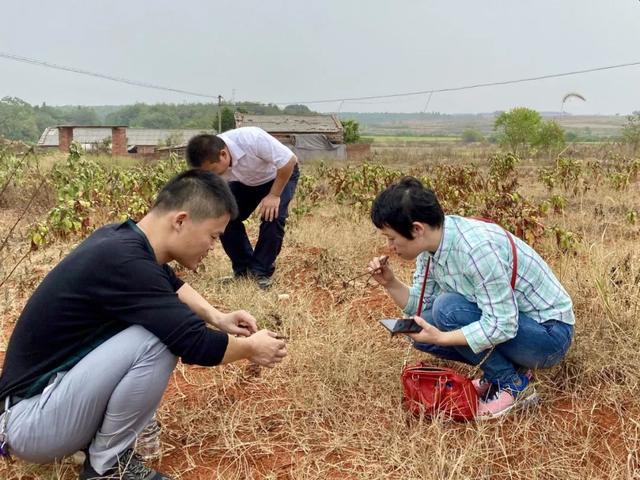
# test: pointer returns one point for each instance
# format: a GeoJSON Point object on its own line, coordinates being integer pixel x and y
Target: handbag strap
{"type": "Point", "coordinates": [514, 252]}
{"type": "Point", "coordinates": [424, 285]}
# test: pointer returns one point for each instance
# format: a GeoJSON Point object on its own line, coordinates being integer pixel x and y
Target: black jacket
{"type": "Point", "coordinates": [109, 282]}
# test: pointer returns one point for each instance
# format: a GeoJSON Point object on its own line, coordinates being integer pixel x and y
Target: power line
{"type": "Point", "coordinates": [430, 91]}
{"type": "Point", "coordinates": [101, 75]}
{"type": "Point", "coordinates": [428, 102]}
{"type": "Point", "coordinates": [466, 87]}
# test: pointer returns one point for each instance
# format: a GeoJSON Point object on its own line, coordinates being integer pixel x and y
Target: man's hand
{"type": "Point", "coordinates": [380, 270]}
{"type": "Point", "coordinates": [267, 350]}
{"type": "Point", "coordinates": [269, 207]}
{"type": "Point", "coordinates": [429, 333]}
{"type": "Point", "coordinates": [239, 322]}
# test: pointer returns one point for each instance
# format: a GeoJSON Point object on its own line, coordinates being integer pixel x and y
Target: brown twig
{"type": "Point", "coordinates": [383, 261]}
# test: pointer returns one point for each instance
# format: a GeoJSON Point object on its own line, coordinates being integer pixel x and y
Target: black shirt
{"type": "Point", "coordinates": [108, 283]}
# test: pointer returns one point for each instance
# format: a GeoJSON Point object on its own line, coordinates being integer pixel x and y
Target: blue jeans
{"type": "Point", "coordinates": [261, 260]}
{"type": "Point", "coordinates": [536, 345]}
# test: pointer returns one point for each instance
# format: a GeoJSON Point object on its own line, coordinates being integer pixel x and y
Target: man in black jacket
{"type": "Point", "coordinates": [93, 349]}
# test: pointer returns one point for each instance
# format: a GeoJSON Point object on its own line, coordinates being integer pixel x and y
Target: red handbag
{"type": "Point", "coordinates": [432, 391]}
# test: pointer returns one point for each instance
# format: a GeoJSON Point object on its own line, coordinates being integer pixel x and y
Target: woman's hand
{"type": "Point", "coordinates": [429, 333]}
{"type": "Point", "coordinates": [381, 271]}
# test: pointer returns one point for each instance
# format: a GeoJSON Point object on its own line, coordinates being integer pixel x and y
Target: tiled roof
{"type": "Point", "coordinates": [290, 123]}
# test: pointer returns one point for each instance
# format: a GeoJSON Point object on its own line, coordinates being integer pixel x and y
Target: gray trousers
{"type": "Point", "coordinates": [103, 402]}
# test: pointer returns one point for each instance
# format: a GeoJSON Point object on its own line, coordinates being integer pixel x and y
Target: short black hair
{"type": "Point", "coordinates": [406, 202]}
{"type": "Point", "coordinates": [201, 193]}
{"type": "Point", "coordinates": [204, 148]}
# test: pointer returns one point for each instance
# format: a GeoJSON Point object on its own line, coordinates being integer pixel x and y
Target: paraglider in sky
{"type": "Point", "coordinates": [571, 95]}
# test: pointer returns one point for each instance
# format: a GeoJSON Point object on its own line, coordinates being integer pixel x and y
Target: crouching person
{"type": "Point", "coordinates": [95, 345]}
{"type": "Point", "coordinates": [480, 288]}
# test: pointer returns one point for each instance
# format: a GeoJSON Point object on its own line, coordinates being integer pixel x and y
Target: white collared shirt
{"type": "Point", "coordinates": [255, 156]}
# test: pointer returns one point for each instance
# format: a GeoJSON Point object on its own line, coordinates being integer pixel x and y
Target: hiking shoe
{"type": "Point", "coordinates": [128, 467]}
{"type": "Point", "coordinates": [502, 397]}
{"type": "Point", "coordinates": [264, 283]}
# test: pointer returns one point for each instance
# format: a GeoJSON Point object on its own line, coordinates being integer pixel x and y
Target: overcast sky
{"type": "Point", "coordinates": [284, 51]}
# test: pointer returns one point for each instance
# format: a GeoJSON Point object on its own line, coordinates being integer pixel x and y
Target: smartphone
{"type": "Point", "coordinates": [401, 325]}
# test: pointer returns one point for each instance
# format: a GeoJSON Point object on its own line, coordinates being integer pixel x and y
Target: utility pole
{"type": "Point", "coordinates": [219, 113]}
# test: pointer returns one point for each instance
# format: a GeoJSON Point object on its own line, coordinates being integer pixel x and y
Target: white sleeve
{"type": "Point", "coordinates": [271, 150]}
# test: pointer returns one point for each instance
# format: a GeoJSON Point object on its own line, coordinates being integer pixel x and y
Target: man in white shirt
{"type": "Point", "coordinates": [262, 173]}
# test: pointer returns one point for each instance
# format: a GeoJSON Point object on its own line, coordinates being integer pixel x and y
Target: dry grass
{"type": "Point", "coordinates": [332, 409]}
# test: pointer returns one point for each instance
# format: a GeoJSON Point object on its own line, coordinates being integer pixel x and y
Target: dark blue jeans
{"type": "Point", "coordinates": [261, 260]}
{"type": "Point", "coordinates": [536, 345]}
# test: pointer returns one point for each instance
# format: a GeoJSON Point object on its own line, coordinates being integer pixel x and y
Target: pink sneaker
{"type": "Point", "coordinates": [500, 399]}
{"type": "Point", "coordinates": [496, 405]}
{"type": "Point", "coordinates": [481, 385]}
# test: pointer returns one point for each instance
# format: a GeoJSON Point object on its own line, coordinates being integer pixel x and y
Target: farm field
{"type": "Point", "coordinates": [453, 125]}
{"type": "Point", "coordinates": [332, 409]}
{"type": "Point", "coordinates": [394, 140]}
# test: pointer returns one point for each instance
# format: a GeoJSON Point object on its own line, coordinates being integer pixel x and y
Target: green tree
{"type": "Point", "coordinates": [255, 108]}
{"type": "Point", "coordinates": [550, 138]}
{"type": "Point", "coordinates": [47, 117]}
{"type": "Point", "coordinates": [83, 116]}
{"type": "Point", "coordinates": [631, 131]}
{"type": "Point", "coordinates": [571, 137]}
{"type": "Point", "coordinates": [518, 130]}
{"type": "Point", "coordinates": [297, 110]}
{"type": "Point", "coordinates": [17, 120]}
{"type": "Point", "coordinates": [227, 119]}
{"type": "Point", "coordinates": [471, 136]}
{"type": "Point", "coordinates": [127, 115]}
{"type": "Point", "coordinates": [351, 130]}
{"type": "Point", "coordinates": [165, 115]}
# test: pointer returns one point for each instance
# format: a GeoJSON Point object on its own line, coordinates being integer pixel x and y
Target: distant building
{"type": "Point", "coordinates": [123, 140]}
{"type": "Point", "coordinates": [284, 127]}
{"type": "Point", "coordinates": [309, 136]}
